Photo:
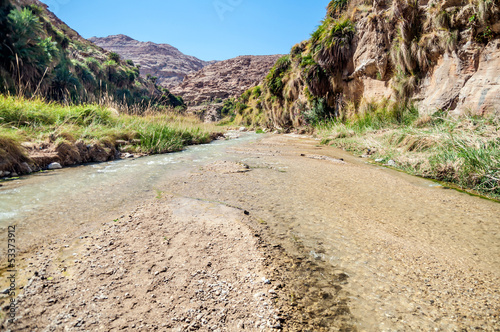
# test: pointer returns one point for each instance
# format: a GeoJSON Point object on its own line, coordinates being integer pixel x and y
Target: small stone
{"type": "Point", "coordinates": [14, 175]}
{"type": "Point", "coordinates": [243, 129]}
{"type": "Point", "coordinates": [391, 163]}
{"type": "Point", "coordinates": [54, 166]}
{"type": "Point", "coordinates": [379, 160]}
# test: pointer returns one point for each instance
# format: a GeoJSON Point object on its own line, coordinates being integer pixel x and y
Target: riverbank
{"type": "Point", "coordinates": [35, 134]}
{"type": "Point", "coordinates": [460, 150]}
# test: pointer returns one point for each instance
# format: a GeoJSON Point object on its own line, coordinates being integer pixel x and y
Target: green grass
{"type": "Point", "coordinates": [23, 120]}
{"type": "Point", "coordinates": [464, 151]}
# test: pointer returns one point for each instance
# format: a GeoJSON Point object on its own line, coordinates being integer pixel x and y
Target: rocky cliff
{"type": "Point", "coordinates": [436, 55]}
{"type": "Point", "coordinates": [225, 79]}
{"type": "Point", "coordinates": [164, 61]}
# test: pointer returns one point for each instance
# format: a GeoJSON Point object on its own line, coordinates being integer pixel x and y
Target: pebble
{"type": "Point", "coordinates": [54, 166]}
{"type": "Point", "coordinates": [127, 155]}
{"type": "Point", "coordinates": [391, 163]}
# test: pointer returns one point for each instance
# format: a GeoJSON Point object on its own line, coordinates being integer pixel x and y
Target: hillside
{"type": "Point", "coordinates": [434, 55]}
{"type": "Point", "coordinates": [225, 79]}
{"type": "Point", "coordinates": [163, 61]}
{"type": "Point", "coordinates": [41, 55]}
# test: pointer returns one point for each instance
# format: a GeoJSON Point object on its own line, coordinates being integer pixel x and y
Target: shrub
{"type": "Point", "coordinates": [257, 91]}
{"type": "Point", "coordinates": [94, 65]}
{"type": "Point", "coordinates": [114, 57]}
{"type": "Point", "coordinates": [319, 112]}
{"type": "Point", "coordinates": [334, 49]}
{"type": "Point", "coordinates": [336, 6]}
{"type": "Point", "coordinates": [274, 80]}
{"type": "Point", "coordinates": [64, 84]}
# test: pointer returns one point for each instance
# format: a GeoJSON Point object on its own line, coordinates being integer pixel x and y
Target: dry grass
{"type": "Point", "coordinates": [463, 150]}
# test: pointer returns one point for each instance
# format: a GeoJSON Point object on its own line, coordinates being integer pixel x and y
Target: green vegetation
{"type": "Point", "coordinates": [464, 151]}
{"type": "Point", "coordinates": [36, 121]}
{"type": "Point", "coordinates": [42, 57]}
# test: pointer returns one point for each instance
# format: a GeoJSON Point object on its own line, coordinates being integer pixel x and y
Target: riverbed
{"type": "Point", "coordinates": [392, 251]}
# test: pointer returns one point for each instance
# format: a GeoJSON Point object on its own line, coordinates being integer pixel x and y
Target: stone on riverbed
{"type": "Point", "coordinates": [54, 166]}
{"type": "Point", "coordinates": [391, 163]}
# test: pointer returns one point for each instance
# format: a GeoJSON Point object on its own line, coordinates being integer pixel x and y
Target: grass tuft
{"type": "Point", "coordinates": [464, 151]}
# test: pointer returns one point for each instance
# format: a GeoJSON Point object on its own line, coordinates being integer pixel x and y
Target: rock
{"type": "Point", "coordinates": [127, 155]}
{"type": "Point", "coordinates": [1, 174]}
{"type": "Point", "coordinates": [161, 60]}
{"type": "Point", "coordinates": [243, 129]}
{"type": "Point", "coordinates": [54, 166]}
{"type": "Point", "coordinates": [120, 142]}
{"type": "Point", "coordinates": [207, 113]}
{"type": "Point", "coordinates": [224, 79]}
{"type": "Point", "coordinates": [14, 175]}
{"type": "Point", "coordinates": [25, 168]}
{"type": "Point", "coordinates": [6, 173]}
{"type": "Point", "coordinates": [391, 163]}
{"type": "Point", "coordinates": [380, 160]}
{"type": "Point", "coordinates": [481, 93]}
{"type": "Point", "coordinates": [441, 89]}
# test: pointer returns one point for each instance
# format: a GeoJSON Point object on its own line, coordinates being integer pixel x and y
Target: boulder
{"type": "Point", "coordinates": [54, 166]}
{"type": "Point", "coordinates": [25, 168]}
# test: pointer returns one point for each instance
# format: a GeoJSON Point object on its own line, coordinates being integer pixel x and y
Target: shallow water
{"type": "Point", "coordinates": [47, 203]}
{"type": "Point", "coordinates": [416, 256]}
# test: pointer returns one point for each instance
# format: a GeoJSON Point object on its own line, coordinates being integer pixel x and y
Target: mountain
{"type": "Point", "coordinates": [164, 61]}
{"type": "Point", "coordinates": [225, 79]}
{"type": "Point", "coordinates": [41, 55]}
{"type": "Point", "coordinates": [437, 55]}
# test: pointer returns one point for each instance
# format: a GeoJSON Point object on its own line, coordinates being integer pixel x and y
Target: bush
{"type": "Point", "coordinates": [336, 6]}
{"type": "Point", "coordinates": [257, 91]}
{"type": "Point", "coordinates": [114, 57]}
{"type": "Point", "coordinates": [64, 84]}
{"type": "Point", "coordinates": [319, 112]}
{"type": "Point", "coordinates": [274, 80]}
{"type": "Point", "coordinates": [94, 65]}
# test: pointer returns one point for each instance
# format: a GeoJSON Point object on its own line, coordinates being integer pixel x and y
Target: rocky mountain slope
{"type": "Point", "coordinates": [225, 79]}
{"type": "Point", "coordinates": [435, 55]}
{"type": "Point", "coordinates": [41, 55]}
{"type": "Point", "coordinates": [164, 61]}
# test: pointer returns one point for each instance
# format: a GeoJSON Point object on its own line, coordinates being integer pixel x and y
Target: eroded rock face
{"type": "Point", "coordinates": [481, 93]}
{"type": "Point", "coordinates": [225, 79]}
{"type": "Point", "coordinates": [161, 60]}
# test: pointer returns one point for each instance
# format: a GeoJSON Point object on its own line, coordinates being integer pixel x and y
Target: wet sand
{"type": "Point", "coordinates": [332, 243]}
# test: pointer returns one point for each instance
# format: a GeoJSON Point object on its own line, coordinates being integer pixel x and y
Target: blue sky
{"type": "Point", "coordinates": [207, 29]}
